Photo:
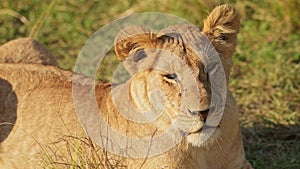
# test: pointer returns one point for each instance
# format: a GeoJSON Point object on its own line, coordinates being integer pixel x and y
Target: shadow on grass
{"type": "Point", "coordinates": [273, 147]}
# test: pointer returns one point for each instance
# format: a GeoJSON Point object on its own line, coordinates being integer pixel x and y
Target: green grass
{"type": "Point", "coordinates": [265, 79]}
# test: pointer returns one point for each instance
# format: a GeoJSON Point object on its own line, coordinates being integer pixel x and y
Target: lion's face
{"type": "Point", "coordinates": [167, 77]}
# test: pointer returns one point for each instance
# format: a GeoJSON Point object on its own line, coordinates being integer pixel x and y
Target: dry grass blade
{"type": "Point", "coordinates": [40, 22]}
{"type": "Point", "coordinates": [14, 14]}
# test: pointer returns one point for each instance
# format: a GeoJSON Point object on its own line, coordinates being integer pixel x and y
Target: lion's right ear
{"type": "Point", "coordinates": [221, 28]}
{"type": "Point", "coordinates": [131, 39]}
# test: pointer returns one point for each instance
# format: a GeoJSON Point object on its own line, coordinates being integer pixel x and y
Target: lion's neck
{"type": "Point", "coordinates": [116, 107]}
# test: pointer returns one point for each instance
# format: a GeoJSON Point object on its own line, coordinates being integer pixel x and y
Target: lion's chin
{"type": "Point", "coordinates": [202, 139]}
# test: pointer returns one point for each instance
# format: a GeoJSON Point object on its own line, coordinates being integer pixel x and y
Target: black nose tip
{"type": "Point", "coordinates": [203, 114]}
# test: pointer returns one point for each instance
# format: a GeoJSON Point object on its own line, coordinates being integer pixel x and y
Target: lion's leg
{"type": "Point", "coordinates": [26, 50]}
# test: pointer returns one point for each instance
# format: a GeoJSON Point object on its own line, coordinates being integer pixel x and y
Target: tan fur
{"type": "Point", "coordinates": [22, 50]}
{"type": "Point", "coordinates": [26, 50]}
{"type": "Point", "coordinates": [221, 27]}
{"type": "Point", "coordinates": [44, 108]}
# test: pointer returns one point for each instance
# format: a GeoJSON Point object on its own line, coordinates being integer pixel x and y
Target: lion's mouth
{"type": "Point", "coordinates": [200, 129]}
{"type": "Point", "coordinates": [194, 132]}
{"type": "Point", "coordinates": [203, 114]}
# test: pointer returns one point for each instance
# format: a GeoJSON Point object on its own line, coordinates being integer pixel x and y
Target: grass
{"type": "Point", "coordinates": [265, 79]}
{"type": "Point", "coordinates": [81, 153]}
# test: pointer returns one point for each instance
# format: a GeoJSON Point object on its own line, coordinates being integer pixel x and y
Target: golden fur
{"type": "Point", "coordinates": [26, 50]}
{"type": "Point", "coordinates": [41, 99]}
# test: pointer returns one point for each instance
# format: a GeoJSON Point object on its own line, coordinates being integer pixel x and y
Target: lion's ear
{"type": "Point", "coordinates": [221, 27]}
{"type": "Point", "coordinates": [131, 39]}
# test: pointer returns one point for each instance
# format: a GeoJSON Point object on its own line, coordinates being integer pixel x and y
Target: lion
{"type": "Point", "coordinates": [45, 111]}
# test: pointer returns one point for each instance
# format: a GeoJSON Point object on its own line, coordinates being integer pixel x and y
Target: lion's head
{"type": "Point", "coordinates": [167, 74]}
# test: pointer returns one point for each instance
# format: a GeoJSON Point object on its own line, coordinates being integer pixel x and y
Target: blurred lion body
{"type": "Point", "coordinates": [26, 50]}
{"type": "Point", "coordinates": [45, 109]}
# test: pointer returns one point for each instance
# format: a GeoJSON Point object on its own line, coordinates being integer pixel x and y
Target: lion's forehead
{"type": "Point", "coordinates": [184, 50]}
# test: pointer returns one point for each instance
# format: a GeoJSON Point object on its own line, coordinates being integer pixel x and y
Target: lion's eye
{"type": "Point", "coordinates": [172, 76]}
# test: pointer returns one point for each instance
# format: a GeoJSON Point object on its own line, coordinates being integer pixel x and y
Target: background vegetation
{"type": "Point", "coordinates": [265, 79]}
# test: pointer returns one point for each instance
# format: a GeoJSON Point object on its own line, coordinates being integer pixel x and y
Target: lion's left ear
{"type": "Point", "coordinates": [133, 42]}
{"type": "Point", "coordinates": [129, 46]}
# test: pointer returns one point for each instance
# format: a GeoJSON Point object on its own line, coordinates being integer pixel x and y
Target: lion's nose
{"type": "Point", "coordinates": [202, 113]}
